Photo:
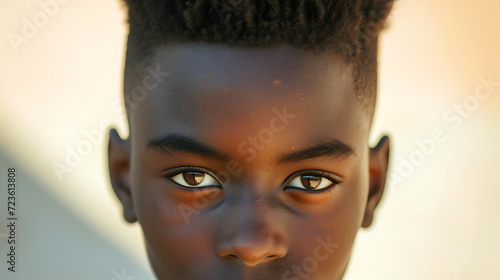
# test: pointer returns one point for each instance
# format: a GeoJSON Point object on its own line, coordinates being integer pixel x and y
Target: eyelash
{"type": "Point", "coordinates": [325, 174]}
{"type": "Point", "coordinates": [168, 174]}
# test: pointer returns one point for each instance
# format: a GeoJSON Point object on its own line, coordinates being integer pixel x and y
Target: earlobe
{"type": "Point", "coordinates": [379, 162]}
{"type": "Point", "coordinates": [119, 173]}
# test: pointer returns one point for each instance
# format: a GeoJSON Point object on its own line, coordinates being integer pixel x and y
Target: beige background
{"type": "Point", "coordinates": [442, 222]}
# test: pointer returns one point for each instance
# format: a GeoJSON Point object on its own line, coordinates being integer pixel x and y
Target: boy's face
{"type": "Point", "coordinates": [247, 163]}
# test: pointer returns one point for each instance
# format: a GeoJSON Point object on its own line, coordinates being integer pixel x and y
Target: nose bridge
{"type": "Point", "coordinates": [248, 234]}
{"type": "Point", "coordinates": [247, 217]}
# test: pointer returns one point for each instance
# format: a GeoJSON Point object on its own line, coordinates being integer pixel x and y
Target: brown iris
{"type": "Point", "coordinates": [193, 177]}
{"type": "Point", "coordinates": [310, 181]}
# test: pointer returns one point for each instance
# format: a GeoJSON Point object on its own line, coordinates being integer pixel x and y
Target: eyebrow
{"type": "Point", "coordinates": [330, 148]}
{"type": "Point", "coordinates": [178, 142]}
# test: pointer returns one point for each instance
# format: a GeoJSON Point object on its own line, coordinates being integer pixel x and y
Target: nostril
{"type": "Point", "coordinates": [231, 257]}
{"type": "Point", "coordinates": [271, 257]}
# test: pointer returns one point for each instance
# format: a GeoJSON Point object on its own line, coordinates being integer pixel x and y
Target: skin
{"type": "Point", "coordinates": [254, 219]}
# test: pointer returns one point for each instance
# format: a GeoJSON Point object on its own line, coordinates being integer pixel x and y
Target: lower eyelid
{"type": "Point", "coordinates": [194, 189]}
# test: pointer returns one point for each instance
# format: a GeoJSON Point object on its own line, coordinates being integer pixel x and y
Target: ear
{"type": "Point", "coordinates": [119, 173]}
{"type": "Point", "coordinates": [379, 161]}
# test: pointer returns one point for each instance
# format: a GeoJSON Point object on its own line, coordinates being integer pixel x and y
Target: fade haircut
{"type": "Point", "coordinates": [350, 28]}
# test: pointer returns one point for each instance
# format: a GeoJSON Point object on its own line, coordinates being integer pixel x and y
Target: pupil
{"type": "Point", "coordinates": [310, 181]}
{"type": "Point", "coordinates": [193, 178]}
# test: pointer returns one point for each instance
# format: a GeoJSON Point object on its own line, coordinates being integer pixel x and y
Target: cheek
{"type": "Point", "coordinates": [324, 240]}
{"type": "Point", "coordinates": [174, 242]}
{"type": "Point", "coordinates": [322, 251]}
{"type": "Point", "coordinates": [354, 197]}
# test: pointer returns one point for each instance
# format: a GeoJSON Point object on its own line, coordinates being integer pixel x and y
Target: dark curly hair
{"type": "Point", "coordinates": [348, 27]}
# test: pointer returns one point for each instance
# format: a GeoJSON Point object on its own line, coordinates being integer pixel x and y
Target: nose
{"type": "Point", "coordinates": [249, 234]}
{"type": "Point", "coordinates": [251, 251]}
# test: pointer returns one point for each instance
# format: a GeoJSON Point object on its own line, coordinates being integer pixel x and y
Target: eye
{"type": "Point", "coordinates": [314, 180]}
{"type": "Point", "coordinates": [192, 177]}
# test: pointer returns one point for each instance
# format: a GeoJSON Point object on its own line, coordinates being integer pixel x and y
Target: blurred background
{"type": "Point", "coordinates": [439, 99]}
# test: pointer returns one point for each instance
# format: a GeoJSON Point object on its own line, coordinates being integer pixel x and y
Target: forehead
{"type": "Point", "coordinates": [220, 94]}
{"type": "Point", "coordinates": [209, 66]}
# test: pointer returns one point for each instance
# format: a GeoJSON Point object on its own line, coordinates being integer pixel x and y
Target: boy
{"type": "Point", "coordinates": [249, 122]}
